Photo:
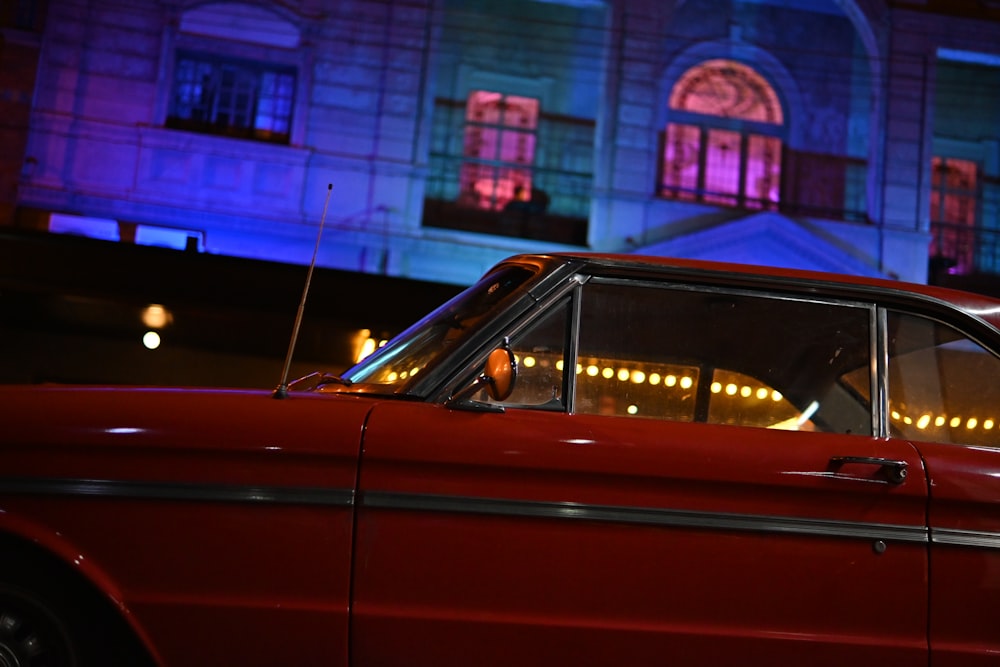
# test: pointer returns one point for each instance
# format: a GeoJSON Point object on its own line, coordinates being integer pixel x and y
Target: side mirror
{"type": "Point", "coordinates": [498, 377]}
{"type": "Point", "coordinates": [500, 373]}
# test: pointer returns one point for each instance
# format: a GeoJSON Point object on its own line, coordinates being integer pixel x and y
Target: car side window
{"type": "Point", "coordinates": [539, 351]}
{"type": "Point", "coordinates": [942, 385]}
{"type": "Point", "coordinates": [720, 357]}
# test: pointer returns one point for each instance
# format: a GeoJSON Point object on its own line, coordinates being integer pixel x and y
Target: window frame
{"type": "Point", "coordinates": [252, 70]}
{"type": "Point", "coordinates": [961, 328]}
{"type": "Point", "coordinates": [876, 303]}
{"type": "Point", "coordinates": [964, 259]}
{"type": "Point", "coordinates": [704, 124]}
{"type": "Point", "coordinates": [574, 291]}
{"type": "Point", "coordinates": [498, 197]}
{"type": "Point", "coordinates": [741, 291]}
{"type": "Point", "coordinates": [177, 41]}
{"type": "Point", "coordinates": [747, 132]}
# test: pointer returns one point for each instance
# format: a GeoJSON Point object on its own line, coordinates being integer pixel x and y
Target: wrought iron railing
{"type": "Point", "coordinates": [563, 220]}
{"type": "Point", "coordinates": [814, 185]}
{"type": "Point", "coordinates": [826, 186]}
{"type": "Point", "coordinates": [960, 249]}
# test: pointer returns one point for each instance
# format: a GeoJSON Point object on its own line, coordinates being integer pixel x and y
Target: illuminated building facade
{"type": "Point", "coordinates": [855, 136]}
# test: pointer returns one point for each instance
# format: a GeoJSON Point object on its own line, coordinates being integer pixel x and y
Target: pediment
{"type": "Point", "coordinates": [770, 239]}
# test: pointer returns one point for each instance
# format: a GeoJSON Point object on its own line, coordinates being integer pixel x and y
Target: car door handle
{"type": "Point", "coordinates": [894, 470]}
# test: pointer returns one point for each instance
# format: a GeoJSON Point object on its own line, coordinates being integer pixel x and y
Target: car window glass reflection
{"type": "Point", "coordinates": [942, 385]}
{"type": "Point", "coordinates": [431, 338]}
{"type": "Point", "coordinates": [540, 355]}
{"type": "Point", "coordinates": [746, 401]}
{"type": "Point", "coordinates": [738, 359]}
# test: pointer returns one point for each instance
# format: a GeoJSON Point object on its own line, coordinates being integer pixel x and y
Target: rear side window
{"type": "Point", "coordinates": [724, 358]}
{"type": "Point", "coordinates": [942, 385]}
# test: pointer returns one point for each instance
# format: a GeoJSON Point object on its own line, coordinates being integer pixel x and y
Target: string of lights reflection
{"type": "Point", "coordinates": [680, 381]}
{"type": "Point", "coordinates": [923, 422]}
{"type": "Point", "coordinates": [156, 316]}
{"type": "Point", "coordinates": [926, 420]}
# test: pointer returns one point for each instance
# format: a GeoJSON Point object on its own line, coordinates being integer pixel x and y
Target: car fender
{"type": "Point", "coordinates": [77, 562]}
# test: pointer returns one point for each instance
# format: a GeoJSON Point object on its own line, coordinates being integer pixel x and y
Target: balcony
{"type": "Point", "coordinates": [813, 185]}
{"type": "Point", "coordinates": [563, 220]}
{"type": "Point", "coordinates": [963, 250]}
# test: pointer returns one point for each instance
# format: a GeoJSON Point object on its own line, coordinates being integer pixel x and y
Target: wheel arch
{"type": "Point", "coordinates": [44, 551]}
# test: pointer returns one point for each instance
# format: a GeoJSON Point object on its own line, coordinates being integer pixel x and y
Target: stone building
{"type": "Point", "coordinates": [857, 136]}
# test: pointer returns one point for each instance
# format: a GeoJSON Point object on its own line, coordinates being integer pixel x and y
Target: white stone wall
{"type": "Point", "coordinates": [368, 75]}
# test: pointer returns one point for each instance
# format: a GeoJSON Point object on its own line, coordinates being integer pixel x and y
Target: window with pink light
{"type": "Point", "coordinates": [499, 148]}
{"type": "Point", "coordinates": [722, 144]}
{"type": "Point", "coordinates": [954, 212]}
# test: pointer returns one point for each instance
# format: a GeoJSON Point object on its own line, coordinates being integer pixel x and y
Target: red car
{"type": "Point", "coordinates": [580, 460]}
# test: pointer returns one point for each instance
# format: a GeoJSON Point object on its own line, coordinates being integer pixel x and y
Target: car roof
{"type": "Point", "coordinates": [982, 307]}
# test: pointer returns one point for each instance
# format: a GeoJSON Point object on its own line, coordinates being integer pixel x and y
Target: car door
{"type": "Point", "coordinates": [943, 394]}
{"type": "Point", "coordinates": [682, 475]}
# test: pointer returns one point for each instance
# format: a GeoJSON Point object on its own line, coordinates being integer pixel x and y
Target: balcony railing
{"type": "Point", "coordinates": [814, 185]}
{"type": "Point", "coordinates": [959, 249]}
{"type": "Point", "coordinates": [824, 186]}
{"type": "Point", "coordinates": [563, 220]}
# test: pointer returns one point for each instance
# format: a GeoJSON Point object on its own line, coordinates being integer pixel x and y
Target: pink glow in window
{"type": "Point", "coordinates": [724, 153]}
{"type": "Point", "coordinates": [954, 211]}
{"type": "Point", "coordinates": [680, 160]}
{"type": "Point", "coordinates": [763, 172]}
{"type": "Point", "coordinates": [722, 166]}
{"type": "Point", "coordinates": [499, 145]}
{"type": "Point", "coordinates": [729, 89]}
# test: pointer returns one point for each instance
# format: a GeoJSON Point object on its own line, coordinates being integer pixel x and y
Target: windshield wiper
{"type": "Point", "coordinates": [316, 380]}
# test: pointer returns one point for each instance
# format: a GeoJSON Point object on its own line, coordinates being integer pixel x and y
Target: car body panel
{"type": "Point", "coordinates": [211, 512]}
{"type": "Point", "coordinates": [534, 530]}
{"type": "Point", "coordinates": [377, 519]}
{"type": "Point", "coordinates": [965, 553]}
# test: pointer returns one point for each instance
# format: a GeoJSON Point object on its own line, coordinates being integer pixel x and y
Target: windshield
{"type": "Point", "coordinates": [405, 356]}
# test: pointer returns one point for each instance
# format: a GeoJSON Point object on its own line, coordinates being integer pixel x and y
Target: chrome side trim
{"type": "Point", "coordinates": [965, 538]}
{"type": "Point", "coordinates": [644, 516]}
{"type": "Point", "coordinates": [147, 490]}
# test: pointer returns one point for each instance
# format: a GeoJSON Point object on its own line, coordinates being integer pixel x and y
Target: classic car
{"type": "Point", "coordinates": [582, 459]}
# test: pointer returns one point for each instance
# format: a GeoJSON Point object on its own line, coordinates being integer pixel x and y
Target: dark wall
{"type": "Point", "coordinates": [70, 311]}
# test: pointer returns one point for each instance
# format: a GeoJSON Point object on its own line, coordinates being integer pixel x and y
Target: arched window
{"type": "Point", "coordinates": [722, 143]}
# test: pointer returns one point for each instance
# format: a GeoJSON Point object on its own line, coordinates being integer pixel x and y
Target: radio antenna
{"type": "Point", "coordinates": [281, 391]}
